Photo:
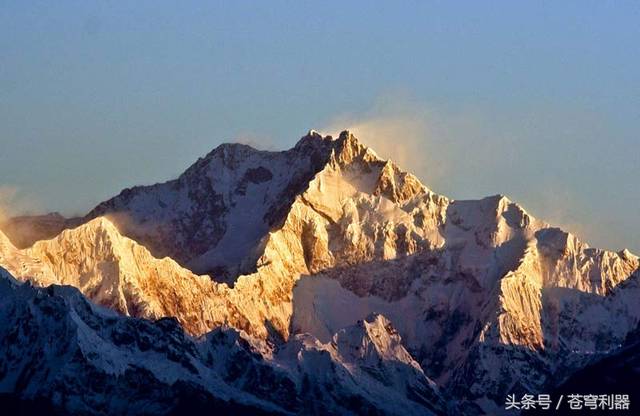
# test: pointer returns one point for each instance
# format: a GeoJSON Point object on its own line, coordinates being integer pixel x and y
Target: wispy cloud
{"type": "Point", "coordinates": [7, 195]}
{"type": "Point", "coordinates": [398, 130]}
{"type": "Point", "coordinates": [13, 202]}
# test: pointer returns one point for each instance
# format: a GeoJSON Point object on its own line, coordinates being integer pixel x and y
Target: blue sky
{"type": "Point", "coordinates": [536, 100]}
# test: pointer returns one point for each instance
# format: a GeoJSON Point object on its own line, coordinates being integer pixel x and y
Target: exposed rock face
{"type": "Point", "coordinates": [304, 243]}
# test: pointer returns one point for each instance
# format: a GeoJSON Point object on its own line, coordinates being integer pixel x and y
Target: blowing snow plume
{"type": "Point", "coordinates": [7, 198]}
{"type": "Point", "coordinates": [22, 228]}
{"type": "Point", "coordinates": [398, 132]}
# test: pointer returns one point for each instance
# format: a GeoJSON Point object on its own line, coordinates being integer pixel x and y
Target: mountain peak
{"type": "Point", "coordinates": [232, 147]}
{"type": "Point", "coordinates": [116, 272]}
{"type": "Point", "coordinates": [346, 135]}
{"type": "Point", "coordinates": [314, 133]}
{"type": "Point", "coordinates": [101, 223]}
{"type": "Point", "coordinates": [347, 150]}
{"type": "Point", "coordinates": [370, 338]}
{"type": "Point", "coordinates": [98, 229]}
{"type": "Point", "coordinates": [315, 142]}
{"type": "Point", "coordinates": [627, 254]}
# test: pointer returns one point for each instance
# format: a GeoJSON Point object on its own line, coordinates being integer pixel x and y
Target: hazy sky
{"type": "Point", "coordinates": [538, 101]}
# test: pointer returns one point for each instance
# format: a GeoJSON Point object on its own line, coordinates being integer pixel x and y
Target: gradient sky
{"type": "Point", "coordinates": [538, 101]}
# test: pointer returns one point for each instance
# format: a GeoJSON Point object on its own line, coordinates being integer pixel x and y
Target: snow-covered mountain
{"type": "Point", "coordinates": [301, 244]}
{"type": "Point", "coordinates": [214, 217]}
{"type": "Point", "coordinates": [57, 347]}
{"type": "Point", "coordinates": [118, 273]}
